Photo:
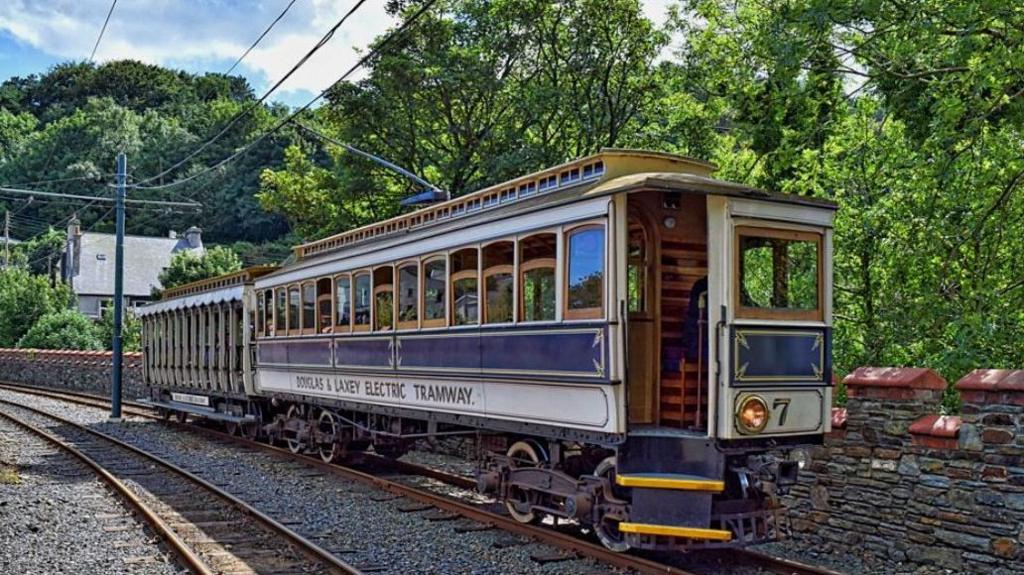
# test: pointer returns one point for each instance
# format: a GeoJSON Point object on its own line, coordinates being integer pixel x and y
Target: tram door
{"type": "Point", "coordinates": [643, 336]}
{"type": "Point", "coordinates": [666, 267]}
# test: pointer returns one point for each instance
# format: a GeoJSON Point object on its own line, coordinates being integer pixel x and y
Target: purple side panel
{"type": "Point", "coordinates": [363, 352]}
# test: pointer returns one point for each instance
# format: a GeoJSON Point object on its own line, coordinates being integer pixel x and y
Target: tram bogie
{"type": "Point", "coordinates": [629, 341]}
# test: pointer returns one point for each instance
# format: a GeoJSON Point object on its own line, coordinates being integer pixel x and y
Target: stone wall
{"type": "Point", "coordinates": [902, 484]}
{"type": "Point", "coordinates": [65, 369]}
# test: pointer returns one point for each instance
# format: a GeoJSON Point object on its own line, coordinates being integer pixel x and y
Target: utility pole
{"type": "Point", "coordinates": [7, 238]}
{"type": "Point", "coordinates": [115, 386]}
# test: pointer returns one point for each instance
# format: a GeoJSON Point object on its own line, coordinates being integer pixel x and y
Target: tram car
{"type": "Point", "coordinates": [636, 345]}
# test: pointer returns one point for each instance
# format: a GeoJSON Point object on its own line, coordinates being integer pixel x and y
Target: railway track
{"type": "Point", "coordinates": [210, 530]}
{"type": "Point", "coordinates": [567, 542]}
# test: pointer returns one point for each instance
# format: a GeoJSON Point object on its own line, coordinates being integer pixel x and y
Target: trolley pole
{"type": "Point", "coordinates": [115, 387]}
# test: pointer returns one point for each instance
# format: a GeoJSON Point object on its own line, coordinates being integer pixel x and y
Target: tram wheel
{"type": "Point", "coordinates": [291, 438]}
{"type": "Point", "coordinates": [607, 528]}
{"type": "Point", "coordinates": [328, 424]}
{"type": "Point", "coordinates": [522, 454]}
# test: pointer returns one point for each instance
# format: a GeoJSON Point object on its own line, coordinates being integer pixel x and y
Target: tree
{"type": "Point", "coordinates": [187, 267]}
{"type": "Point", "coordinates": [24, 298]}
{"type": "Point", "coordinates": [478, 92]}
{"type": "Point", "coordinates": [131, 331]}
{"type": "Point", "coordinates": [64, 329]}
{"type": "Point", "coordinates": [42, 253]}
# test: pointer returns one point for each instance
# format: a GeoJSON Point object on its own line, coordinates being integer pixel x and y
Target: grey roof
{"type": "Point", "coordinates": [144, 259]}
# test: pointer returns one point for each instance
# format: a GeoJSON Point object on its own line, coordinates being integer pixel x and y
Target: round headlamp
{"type": "Point", "coordinates": [752, 415]}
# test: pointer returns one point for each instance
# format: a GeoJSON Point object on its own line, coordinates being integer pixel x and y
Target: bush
{"type": "Point", "coordinates": [66, 329]}
{"type": "Point", "coordinates": [24, 298]}
{"type": "Point", "coordinates": [131, 330]}
{"type": "Point", "coordinates": [187, 267]}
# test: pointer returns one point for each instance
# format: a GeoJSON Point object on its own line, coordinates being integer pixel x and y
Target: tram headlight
{"type": "Point", "coordinates": [752, 415]}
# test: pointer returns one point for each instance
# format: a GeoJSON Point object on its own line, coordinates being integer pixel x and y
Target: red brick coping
{"type": "Point", "coordinates": [936, 431]}
{"type": "Point", "coordinates": [894, 383]}
{"type": "Point", "coordinates": [991, 386]}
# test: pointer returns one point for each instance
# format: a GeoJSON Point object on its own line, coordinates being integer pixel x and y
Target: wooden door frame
{"type": "Point", "coordinates": [635, 211]}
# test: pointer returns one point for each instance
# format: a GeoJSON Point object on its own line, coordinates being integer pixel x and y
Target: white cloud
{"type": "Point", "coordinates": [209, 36]}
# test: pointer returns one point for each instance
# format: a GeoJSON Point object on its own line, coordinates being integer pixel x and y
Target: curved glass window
{"type": "Point", "coordinates": [343, 301]}
{"type": "Point", "coordinates": [435, 284]}
{"type": "Point", "coordinates": [498, 282]}
{"type": "Point", "coordinates": [636, 269]}
{"type": "Point", "coordinates": [465, 290]}
{"type": "Point", "coordinates": [294, 305]}
{"type": "Point", "coordinates": [361, 301]}
{"type": "Point", "coordinates": [281, 311]}
{"type": "Point", "coordinates": [261, 310]}
{"type": "Point", "coordinates": [309, 307]}
{"type": "Point", "coordinates": [383, 299]}
{"type": "Point", "coordinates": [585, 273]}
{"type": "Point", "coordinates": [537, 277]}
{"type": "Point", "coordinates": [408, 295]}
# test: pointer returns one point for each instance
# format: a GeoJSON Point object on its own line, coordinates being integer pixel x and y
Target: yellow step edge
{"type": "Point", "coordinates": [673, 531]}
{"type": "Point", "coordinates": [713, 485]}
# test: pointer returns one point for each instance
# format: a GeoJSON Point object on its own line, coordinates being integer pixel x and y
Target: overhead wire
{"type": "Point", "coordinates": [256, 103]}
{"type": "Point", "coordinates": [260, 39]}
{"type": "Point", "coordinates": [362, 61]}
{"type": "Point", "coordinates": [102, 30]}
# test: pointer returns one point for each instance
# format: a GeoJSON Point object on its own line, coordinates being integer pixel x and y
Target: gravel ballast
{"type": "Point", "coordinates": [56, 516]}
{"type": "Point", "coordinates": [356, 522]}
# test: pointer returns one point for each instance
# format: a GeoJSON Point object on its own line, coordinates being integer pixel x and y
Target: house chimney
{"type": "Point", "coordinates": [172, 234]}
{"type": "Point", "coordinates": [194, 237]}
{"type": "Point", "coordinates": [72, 255]}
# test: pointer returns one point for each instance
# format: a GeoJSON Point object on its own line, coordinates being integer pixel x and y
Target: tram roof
{"type": "Point", "coordinates": [609, 171]}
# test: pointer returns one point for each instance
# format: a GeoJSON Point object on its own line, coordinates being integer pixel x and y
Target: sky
{"type": "Point", "coordinates": [200, 36]}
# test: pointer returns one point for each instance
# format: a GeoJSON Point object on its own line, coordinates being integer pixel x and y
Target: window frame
{"type": "Point", "coordinates": [339, 328]}
{"type": "Point", "coordinates": [303, 328]}
{"type": "Point", "coordinates": [485, 273]}
{"type": "Point", "coordinates": [364, 326]}
{"type": "Point", "coordinates": [746, 312]}
{"type": "Point", "coordinates": [473, 273]}
{"type": "Point", "coordinates": [329, 296]}
{"type": "Point", "coordinates": [396, 281]}
{"type": "Point", "coordinates": [523, 267]}
{"type": "Point", "coordinates": [590, 313]}
{"type": "Point", "coordinates": [288, 309]}
{"type": "Point", "coordinates": [374, 290]}
{"type": "Point", "coordinates": [443, 320]}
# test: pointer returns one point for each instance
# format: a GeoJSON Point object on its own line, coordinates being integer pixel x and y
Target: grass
{"type": "Point", "coordinates": [9, 475]}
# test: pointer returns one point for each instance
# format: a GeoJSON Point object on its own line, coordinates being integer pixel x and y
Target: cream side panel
{"type": "Point", "coordinates": [588, 407]}
{"type": "Point", "coordinates": [719, 238]}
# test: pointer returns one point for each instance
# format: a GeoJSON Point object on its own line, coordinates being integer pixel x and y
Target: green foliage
{"type": "Point", "coordinates": [42, 253]}
{"type": "Point", "coordinates": [478, 92]}
{"type": "Point", "coordinates": [64, 329]}
{"type": "Point", "coordinates": [187, 267]}
{"type": "Point", "coordinates": [24, 298]}
{"type": "Point", "coordinates": [73, 120]}
{"type": "Point", "coordinates": [131, 331]}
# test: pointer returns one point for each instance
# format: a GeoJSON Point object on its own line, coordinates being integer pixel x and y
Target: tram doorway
{"type": "Point", "coordinates": [667, 302]}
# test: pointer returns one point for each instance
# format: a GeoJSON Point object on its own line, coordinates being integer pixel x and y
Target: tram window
{"type": "Point", "coordinates": [435, 284]}
{"type": "Point", "coordinates": [636, 271]}
{"type": "Point", "coordinates": [408, 295]}
{"type": "Point", "coordinates": [361, 302]}
{"type": "Point", "coordinates": [585, 277]}
{"type": "Point", "coordinates": [294, 306]}
{"type": "Point", "coordinates": [465, 290]}
{"type": "Point", "coordinates": [268, 311]}
{"type": "Point", "coordinates": [309, 307]}
{"type": "Point", "coordinates": [383, 299]}
{"type": "Point", "coordinates": [280, 311]}
{"type": "Point", "coordinates": [779, 273]}
{"type": "Point", "coordinates": [537, 277]}
{"type": "Point", "coordinates": [498, 282]}
{"type": "Point", "coordinates": [343, 302]}
{"type": "Point", "coordinates": [261, 309]}
{"type": "Point", "coordinates": [324, 305]}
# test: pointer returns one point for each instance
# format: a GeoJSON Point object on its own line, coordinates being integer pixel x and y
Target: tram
{"type": "Point", "coordinates": [635, 345]}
